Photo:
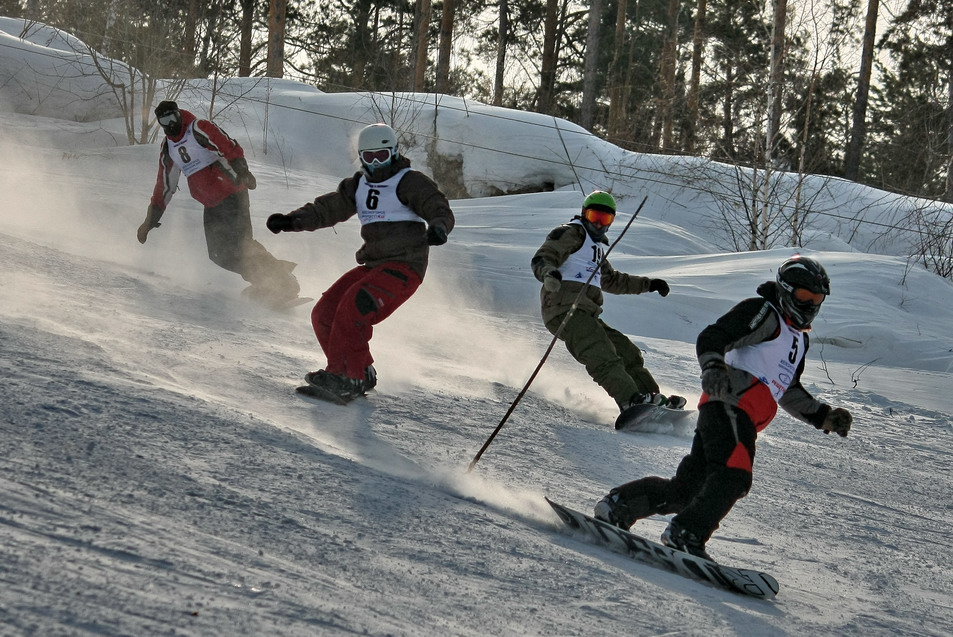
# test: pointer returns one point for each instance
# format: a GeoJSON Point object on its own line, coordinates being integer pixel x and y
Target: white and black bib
{"type": "Point", "coordinates": [584, 261]}
{"type": "Point", "coordinates": [189, 155]}
{"type": "Point", "coordinates": [773, 362]}
{"type": "Point", "coordinates": [377, 202]}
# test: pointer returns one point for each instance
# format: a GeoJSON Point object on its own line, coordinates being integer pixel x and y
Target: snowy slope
{"type": "Point", "coordinates": [159, 476]}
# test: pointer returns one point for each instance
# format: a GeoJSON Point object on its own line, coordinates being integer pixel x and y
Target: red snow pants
{"type": "Point", "coordinates": [345, 315]}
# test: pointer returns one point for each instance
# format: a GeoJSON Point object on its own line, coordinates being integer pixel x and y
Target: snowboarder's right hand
{"type": "Point", "coordinates": [436, 236]}
{"type": "Point", "coordinates": [715, 380]}
{"type": "Point", "coordinates": [660, 286]}
{"type": "Point", "coordinates": [552, 280]}
{"type": "Point", "coordinates": [280, 223]}
{"type": "Point", "coordinates": [837, 420]}
{"type": "Point", "coordinates": [153, 214]}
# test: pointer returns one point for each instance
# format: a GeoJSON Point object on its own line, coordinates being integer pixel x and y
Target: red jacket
{"type": "Point", "coordinates": [209, 186]}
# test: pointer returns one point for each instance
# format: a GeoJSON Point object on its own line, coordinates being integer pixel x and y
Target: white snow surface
{"type": "Point", "coordinates": [159, 476]}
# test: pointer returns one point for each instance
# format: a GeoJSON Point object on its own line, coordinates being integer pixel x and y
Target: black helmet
{"type": "Point", "coordinates": [169, 117]}
{"type": "Point", "coordinates": [803, 285]}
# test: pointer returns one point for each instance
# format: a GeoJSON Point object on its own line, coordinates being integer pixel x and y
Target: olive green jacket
{"type": "Point", "coordinates": [559, 244]}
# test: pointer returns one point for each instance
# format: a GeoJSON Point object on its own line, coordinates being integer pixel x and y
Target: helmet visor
{"type": "Point", "coordinates": [804, 297]}
{"type": "Point", "coordinates": [167, 119]}
{"type": "Point", "coordinates": [598, 217]}
{"type": "Point", "coordinates": [379, 156]}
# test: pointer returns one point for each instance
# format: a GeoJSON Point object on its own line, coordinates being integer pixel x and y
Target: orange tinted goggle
{"type": "Point", "coordinates": [803, 295]}
{"type": "Point", "coordinates": [599, 217]}
{"type": "Point", "coordinates": [379, 156]}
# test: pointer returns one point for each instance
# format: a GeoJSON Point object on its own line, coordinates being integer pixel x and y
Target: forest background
{"type": "Point", "coordinates": [854, 89]}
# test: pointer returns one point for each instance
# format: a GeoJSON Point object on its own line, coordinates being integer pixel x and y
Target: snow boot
{"type": "Point", "coordinates": [676, 537]}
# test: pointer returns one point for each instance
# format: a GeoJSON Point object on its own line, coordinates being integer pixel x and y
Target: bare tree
{"type": "Point", "coordinates": [277, 17]}
{"type": "Point", "coordinates": [858, 131]}
{"type": "Point", "coordinates": [587, 111]}
{"type": "Point", "coordinates": [932, 226]}
{"type": "Point", "coordinates": [948, 195]}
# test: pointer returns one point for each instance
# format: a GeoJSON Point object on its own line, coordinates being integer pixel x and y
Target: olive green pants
{"type": "Point", "coordinates": [611, 359]}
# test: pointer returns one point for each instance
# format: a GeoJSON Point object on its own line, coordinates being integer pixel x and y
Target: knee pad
{"type": "Point", "coordinates": [365, 302]}
{"type": "Point", "coordinates": [738, 482]}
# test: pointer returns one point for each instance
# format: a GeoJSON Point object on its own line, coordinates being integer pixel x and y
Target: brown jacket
{"type": "Point", "coordinates": [404, 241]}
{"type": "Point", "coordinates": [559, 244]}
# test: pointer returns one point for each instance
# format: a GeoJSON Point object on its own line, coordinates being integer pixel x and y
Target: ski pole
{"type": "Point", "coordinates": [552, 343]}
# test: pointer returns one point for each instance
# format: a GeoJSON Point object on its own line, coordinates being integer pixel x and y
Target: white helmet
{"type": "Point", "coordinates": [377, 146]}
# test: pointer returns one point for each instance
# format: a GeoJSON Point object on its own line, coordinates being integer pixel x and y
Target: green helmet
{"type": "Point", "coordinates": [600, 200]}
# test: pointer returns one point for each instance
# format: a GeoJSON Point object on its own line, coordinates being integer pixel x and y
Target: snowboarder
{"type": "Point", "coordinates": [751, 360]}
{"type": "Point", "coordinates": [218, 178]}
{"type": "Point", "coordinates": [402, 213]}
{"type": "Point", "coordinates": [563, 264]}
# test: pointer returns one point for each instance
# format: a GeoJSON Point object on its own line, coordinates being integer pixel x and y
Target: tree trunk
{"type": "Point", "coordinates": [617, 75]}
{"type": "Point", "coordinates": [858, 131]}
{"type": "Point", "coordinates": [587, 110]}
{"type": "Point", "coordinates": [112, 17]}
{"type": "Point", "coordinates": [501, 52]}
{"type": "Point", "coordinates": [446, 43]}
{"type": "Point", "coordinates": [244, 50]}
{"type": "Point", "coordinates": [547, 71]}
{"type": "Point", "coordinates": [698, 46]}
{"type": "Point", "coordinates": [191, 26]}
{"type": "Point", "coordinates": [774, 81]}
{"type": "Point", "coordinates": [423, 41]}
{"type": "Point", "coordinates": [667, 74]}
{"type": "Point", "coordinates": [362, 42]}
{"type": "Point", "coordinates": [727, 115]}
{"type": "Point", "coordinates": [277, 14]}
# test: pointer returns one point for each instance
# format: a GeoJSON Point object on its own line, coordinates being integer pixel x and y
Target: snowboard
{"type": "Point", "coordinates": [738, 580]}
{"type": "Point", "coordinates": [313, 391]}
{"type": "Point", "coordinates": [637, 417]}
{"type": "Point", "coordinates": [249, 294]}
{"type": "Point", "coordinates": [287, 305]}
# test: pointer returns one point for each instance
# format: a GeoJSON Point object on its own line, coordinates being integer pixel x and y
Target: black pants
{"type": "Point", "coordinates": [709, 480]}
{"type": "Point", "coordinates": [231, 245]}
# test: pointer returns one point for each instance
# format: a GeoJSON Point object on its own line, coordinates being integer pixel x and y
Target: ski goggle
{"type": "Point", "coordinates": [803, 295]}
{"type": "Point", "coordinates": [379, 156]}
{"type": "Point", "coordinates": [168, 118]}
{"type": "Point", "coordinates": [598, 217]}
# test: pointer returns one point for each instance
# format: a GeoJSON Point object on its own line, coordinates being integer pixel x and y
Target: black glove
{"type": "Point", "coordinates": [280, 223]}
{"type": "Point", "coordinates": [837, 420]}
{"type": "Point", "coordinates": [153, 214]}
{"type": "Point", "coordinates": [552, 280]}
{"type": "Point", "coordinates": [660, 286]}
{"type": "Point", "coordinates": [715, 380]}
{"type": "Point", "coordinates": [242, 174]}
{"type": "Point", "coordinates": [436, 236]}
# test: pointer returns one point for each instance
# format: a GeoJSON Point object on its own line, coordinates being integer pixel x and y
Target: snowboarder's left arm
{"type": "Point", "coordinates": [615, 282]}
{"type": "Point", "coordinates": [422, 195]}
{"type": "Point", "coordinates": [215, 139]}
{"type": "Point", "coordinates": [209, 135]}
{"type": "Point", "coordinates": [799, 402]}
